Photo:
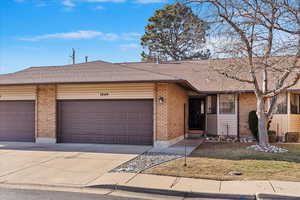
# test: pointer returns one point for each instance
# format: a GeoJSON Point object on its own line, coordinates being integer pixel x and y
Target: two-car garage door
{"type": "Point", "coordinates": [105, 121]}
{"type": "Point", "coordinates": [17, 121]}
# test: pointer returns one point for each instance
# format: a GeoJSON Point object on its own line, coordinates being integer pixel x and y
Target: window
{"type": "Point", "coordinates": [281, 104]}
{"type": "Point", "coordinates": [227, 104]}
{"type": "Point", "coordinates": [212, 104]}
{"type": "Point", "coordinates": [295, 104]}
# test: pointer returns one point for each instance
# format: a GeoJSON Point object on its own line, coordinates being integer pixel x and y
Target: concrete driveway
{"type": "Point", "coordinates": [61, 164]}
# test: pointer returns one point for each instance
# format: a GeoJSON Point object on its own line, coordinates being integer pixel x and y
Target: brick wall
{"type": "Point", "coordinates": [247, 104]}
{"type": "Point", "coordinates": [177, 97]}
{"type": "Point", "coordinates": [161, 112]}
{"type": "Point", "coordinates": [170, 114]}
{"type": "Point", "coordinates": [46, 111]}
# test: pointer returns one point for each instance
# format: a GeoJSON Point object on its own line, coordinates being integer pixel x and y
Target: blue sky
{"type": "Point", "coordinates": [43, 32]}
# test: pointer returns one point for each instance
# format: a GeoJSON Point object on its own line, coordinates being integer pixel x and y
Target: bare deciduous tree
{"type": "Point", "coordinates": [261, 41]}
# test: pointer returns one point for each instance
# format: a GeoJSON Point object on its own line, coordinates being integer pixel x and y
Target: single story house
{"type": "Point", "coordinates": [130, 103]}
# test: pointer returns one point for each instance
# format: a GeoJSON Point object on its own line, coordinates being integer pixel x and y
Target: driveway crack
{"type": "Point", "coordinates": [27, 167]}
{"type": "Point", "coordinates": [220, 186]}
{"type": "Point", "coordinates": [273, 188]}
{"type": "Point", "coordinates": [176, 181]}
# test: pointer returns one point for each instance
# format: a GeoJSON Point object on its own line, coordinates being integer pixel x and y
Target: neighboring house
{"type": "Point", "coordinates": [130, 103]}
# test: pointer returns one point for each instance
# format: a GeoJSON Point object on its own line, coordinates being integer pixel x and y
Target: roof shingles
{"type": "Point", "coordinates": [79, 73]}
{"type": "Point", "coordinates": [195, 75]}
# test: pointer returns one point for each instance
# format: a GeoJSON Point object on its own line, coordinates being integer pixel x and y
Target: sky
{"type": "Point", "coordinates": [43, 32]}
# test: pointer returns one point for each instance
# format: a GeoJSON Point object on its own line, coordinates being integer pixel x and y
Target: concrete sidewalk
{"type": "Point", "coordinates": [147, 181]}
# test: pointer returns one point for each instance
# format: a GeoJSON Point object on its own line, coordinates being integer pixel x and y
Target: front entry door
{"type": "Point", "coordinates": [197, 114]}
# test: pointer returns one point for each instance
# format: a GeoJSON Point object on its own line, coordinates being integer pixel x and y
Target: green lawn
{"type": "Point", "coordinates": [215, 160]}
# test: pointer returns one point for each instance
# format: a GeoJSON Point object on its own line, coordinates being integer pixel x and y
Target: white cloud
{"type": "Point", "coordinates": [150, 1]}
{"type": "Point", "coordinates": [109, 36]}
{"type": "Point", "coordinates": [69, 35]}
{"type": "Point", "coordinates": [68, 3]}
{"type": "Point", "coordinates": [36, 3]}
{"type": "Point", "coordinates": [85, 35]}
{"type": "Point", "coordinates": [72, 3]}
{"type": "Point", "coordinates": [122, 36]}
{"type": "Point", "coordinates": [131, 36]}
{"type": "Point", "coordinates": [125, 47]}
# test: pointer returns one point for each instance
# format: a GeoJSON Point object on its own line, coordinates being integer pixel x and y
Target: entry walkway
{"type": "Point", "coordinates": [183, 147]}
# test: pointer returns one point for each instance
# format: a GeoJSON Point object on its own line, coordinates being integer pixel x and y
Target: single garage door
{"type": "Point", "coordinates": [17, 121]}
{"type": "Point", "coordinates": [106, 121]}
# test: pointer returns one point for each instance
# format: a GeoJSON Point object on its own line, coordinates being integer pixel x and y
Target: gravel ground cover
{"type": "Point", "coordinates": [267, 149]}
{"type": "Point", "coordinates": [145, 161]}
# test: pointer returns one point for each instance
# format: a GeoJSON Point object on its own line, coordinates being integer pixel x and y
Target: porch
{"type": "Point", "coordinates": [213, 115]}
{"type": "Point", "coordinates": [286, 118]}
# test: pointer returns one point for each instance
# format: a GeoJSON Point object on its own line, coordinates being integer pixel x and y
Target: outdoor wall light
{"type": "Point", "coordinates": [161, 100]}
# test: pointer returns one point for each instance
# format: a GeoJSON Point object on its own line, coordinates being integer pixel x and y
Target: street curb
{"type": "Point", "coordinates": [261, 196]}
{"type": "Point", "coordinates": [4, 183]}
{"type": "Point", "coordinates": [172, 192]}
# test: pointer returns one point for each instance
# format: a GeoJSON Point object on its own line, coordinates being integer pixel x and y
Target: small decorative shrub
{"type": "Point", "coordinates": [272, 136]}
{"type": "Point", "coordinates": [253, 124]}
{"type": "Point", "coordinates": [292, 137]}
{"type": "Point", "coordinates": [280, 139]}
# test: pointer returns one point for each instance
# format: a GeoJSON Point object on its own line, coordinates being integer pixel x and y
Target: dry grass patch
{"type": "Point", "coordinates": [216, 160]}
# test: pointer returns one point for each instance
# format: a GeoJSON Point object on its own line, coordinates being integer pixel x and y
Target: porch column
{"type": "Point", "coordinates": [46, 114]}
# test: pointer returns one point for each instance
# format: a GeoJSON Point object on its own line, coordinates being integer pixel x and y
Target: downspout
{"type": "Point", "coordinates": [155, 114]}
{"type": "Point", "coordinates": [184, 120]}
{"type": "Point", "coordinates": [238, 117]}
{"type": "Point", "coordinates": [36, 113]}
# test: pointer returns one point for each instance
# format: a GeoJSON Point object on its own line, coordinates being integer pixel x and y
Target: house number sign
{"type": "Point", "coordinates": [103, 94]}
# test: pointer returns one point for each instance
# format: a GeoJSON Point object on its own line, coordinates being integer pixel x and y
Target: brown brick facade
{"type": "Point", "coordinates": [247, 103]}
{"type": "Point", "coordinates": [170, 114]}
{"type": "Point", "coordinates": [46, 111]}
{"type": "Point", "coordinates": [177, 99]}
{"type": "Point", "coordinates": [161, 112]}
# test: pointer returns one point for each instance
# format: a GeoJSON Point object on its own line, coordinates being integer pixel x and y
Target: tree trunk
{"type": "Point", "coordinates": [262, 122]}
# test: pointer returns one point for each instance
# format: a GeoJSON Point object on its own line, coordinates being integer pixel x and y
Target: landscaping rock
{"type": "Point", "coordinates": [220, 139]}
{"type": "Point", "coordinates": [268, 148]}
{"type": "Point", "coordinates": [145, 161]}
{"type": "Point", "coordinates": [228, 139]}
{"type": "Point", "coordinates": [247, 140]}
{"type": "Point", "coordinates": [235, 173]}
{"type": "Point", "coordinates": [211, 139]}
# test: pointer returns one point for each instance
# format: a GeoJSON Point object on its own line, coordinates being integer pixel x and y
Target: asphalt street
{"type": "Point", "coordinates": [20, 194]}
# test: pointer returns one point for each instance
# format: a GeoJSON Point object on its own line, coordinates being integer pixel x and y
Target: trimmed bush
{"type": "Point", "coordinates": [272, 136]}
{"type": "Point", "coordinates": [253, 124]}
{"type": "Point", "coordinates": [292, 137]}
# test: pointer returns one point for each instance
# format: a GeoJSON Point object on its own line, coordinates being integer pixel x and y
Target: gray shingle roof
{"type": "Point", "coordinates": [83, 73]}
{"type": "Point", "coordinates": [195, 75]}
{"type": "Point", "coordinates": [198, 73]}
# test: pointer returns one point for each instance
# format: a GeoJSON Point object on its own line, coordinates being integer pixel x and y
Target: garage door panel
{"type": "Point", "coordinates": [106, 121]}
{"type": "Point", "coordinates": [17, 121]}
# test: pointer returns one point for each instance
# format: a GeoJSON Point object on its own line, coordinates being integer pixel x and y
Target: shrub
{"type": "Point", "coordinates": [292, 137]}
{"type": "Point", "coordinates": [272, 136]}
{"type": "Point", "coordinates": [253, 124]}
